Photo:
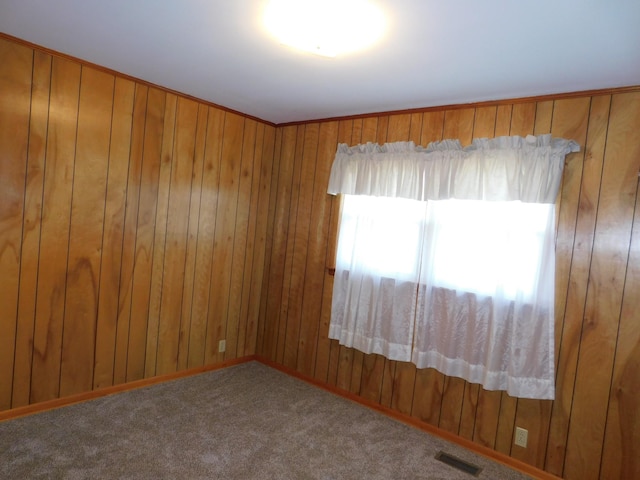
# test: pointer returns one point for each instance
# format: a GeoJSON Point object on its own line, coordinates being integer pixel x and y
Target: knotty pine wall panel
{"type": "Point", "coordinates": [133, 224]}
{"type": "Point", "coordinates": [85, 231]}
{"type": "Point", "coordinates": [112, 233]}
{"type": "Point", "coordinates": [22, 361]}
{"type": "Point", "coordinates": [592, 429]}
{"type": "Point", "coordinates": [14, 135]}
{"type": "Point", "coordinates": [54, 229]}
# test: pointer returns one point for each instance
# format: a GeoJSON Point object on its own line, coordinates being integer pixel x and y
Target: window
{"type": "Point", "coordinates": [482, 247]}
{"type": "Point", "coordinates": [446, 257]}
{"type": "Point", "coordinates": [478, 247]}
{"type": "Point", "coordinates": [383, 232]}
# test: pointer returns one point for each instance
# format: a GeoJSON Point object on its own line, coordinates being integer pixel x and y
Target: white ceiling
{"type": "Point", "coordinates": [435, 52]}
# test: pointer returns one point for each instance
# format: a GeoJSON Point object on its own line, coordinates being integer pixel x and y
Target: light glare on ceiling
{"type": "Point", "coordinates": [325, 27]}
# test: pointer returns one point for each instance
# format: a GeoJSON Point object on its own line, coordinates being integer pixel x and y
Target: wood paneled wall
{"type": "Point", "coordinates": [592, 429]}
{"type": "Point", "coordinates": [139, 227]}
{"type": "Point", "coordinates": [132, 228]}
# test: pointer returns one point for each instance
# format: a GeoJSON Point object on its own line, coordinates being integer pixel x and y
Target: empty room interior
{"type": "Point", "coordinates": [178, 196]}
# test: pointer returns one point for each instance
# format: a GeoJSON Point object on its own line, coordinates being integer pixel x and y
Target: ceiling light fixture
{"type": "Point", "coordinates": [325, 27]}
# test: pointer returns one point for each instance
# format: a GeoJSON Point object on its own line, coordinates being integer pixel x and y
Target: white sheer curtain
{"type": "Point", "coordinates": [446, 257]}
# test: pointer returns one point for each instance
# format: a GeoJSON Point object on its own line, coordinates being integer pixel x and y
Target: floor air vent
{"type": "Point", "coordinates": [459, 464]}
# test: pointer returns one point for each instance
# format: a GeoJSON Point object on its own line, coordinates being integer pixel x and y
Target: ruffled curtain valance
{"type": "Point", "coordinates": [528, 169]}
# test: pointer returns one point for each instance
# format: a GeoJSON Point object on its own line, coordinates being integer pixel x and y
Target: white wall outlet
{"type": "Point", "coordinates": [222, 346]}
{"type": "Point", "coordinates": [521, 437]}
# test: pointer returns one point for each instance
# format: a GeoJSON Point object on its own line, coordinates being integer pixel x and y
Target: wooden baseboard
{"type": "Point", "coordinates": [103, 392]}
{"type": "Point", "coordinates": [416, 423]}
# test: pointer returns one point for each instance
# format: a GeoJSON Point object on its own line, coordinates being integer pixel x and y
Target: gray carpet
{"type": "Point", "coordinates": [244, 422]}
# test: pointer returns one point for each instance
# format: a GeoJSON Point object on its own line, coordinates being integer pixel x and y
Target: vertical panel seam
{"type": "Point", "coordinates": [187, 321]}
{"type": "Point", "coordinates": [246, 259]}
{"type": "Point", "coordinates": [42, 199]}
{"type": "Point", "coordinates": [286, 248]}
{"type": "Point", "coordinates": [215, 229]}
{"type": "Point", "coordinates": [166, 222]}
{"type": "Point", "coordinates": [24, 203]}
{"type": "Point", "coordinates": [329, 240]}
{"type": "Point", "coordinates": [124, 231]}
{"type": "Point", "coordinates": [153, 240]}
{"type": "Point", "coordinates": [235, 227]}
{"type": "Point", "coordinates": [180, 320]}
{"type": "Point", "coordinates": [586, 296]}
{"type": "Point", "coordinates": [251, 220]}
{"type": "Point", "coordinates": [66, 273]}
{"type": "Point", "coordinates": [278, 134]}
{"type": "Point", "coordinates": [135, 237]}
{"type": "Point", "coordinates": [615, 349]}
{"type": "Point", "coordinates": [193, 289]}
{"type": "Point", "coordinates": [304, 275]}
{"type": "Point", "coordinates": [104, 220]}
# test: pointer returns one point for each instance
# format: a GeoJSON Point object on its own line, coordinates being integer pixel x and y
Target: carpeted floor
{"type": "Point", "coordinates": [244, 422]}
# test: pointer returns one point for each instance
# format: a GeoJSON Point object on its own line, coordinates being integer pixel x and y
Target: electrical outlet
{"type": "Point", "coordinates": [222, 346]}
{"type": "Point", "coordinates": [521, 437]}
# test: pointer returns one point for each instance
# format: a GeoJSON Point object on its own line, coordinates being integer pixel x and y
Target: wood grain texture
{"type": "Point", "coordinates": [206, 232]}
{"type": "Point", "coordinates": [246, 222]}
{"type": "Point", "coordinates": [144, 237]}
{"type": "Point", "coordinates": [239, 258]}
{"type": "Point", "coordinates": [593, 278]}
{"type": "Point", "coordinates": [574, 245]}
{"type": "Point", "coordinates": [109, 208]}
{"type": "Point", "coordinates": [170, 321]}
{"type": "Point", "coordinates": [287, 322]}
{"type": "Point", "coordinates": [263, 337]}
{"type": "Point", "coordinates": [225, 235]}
{"type": "Point", "coordinates": [112, 233]}
{"type": "Point", "coordinates": [195, 208]}
{"type": "Point", "coordinates": [127, 262]}
{"type": "Point", "coordinates": [262, 213]}
{"type": "Point", "coordinates": [14, 141]}
{"type": "Point", "coordinates": [300, 246]}
{"type": "Point", "coordinates": [160, 235]}
{"type": "Point", "coordinates": [85, 232]}
{"type": "Point", "coordinates": [605, 289]}
{"type": "Point", "coordinates": [317, 259]}
{"type": "Point", "coordinates": [623, 419]}
{"type": "Point", "coordinates": [56, 211]}
{"type": "Point", "coordinates": [30, 251]}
